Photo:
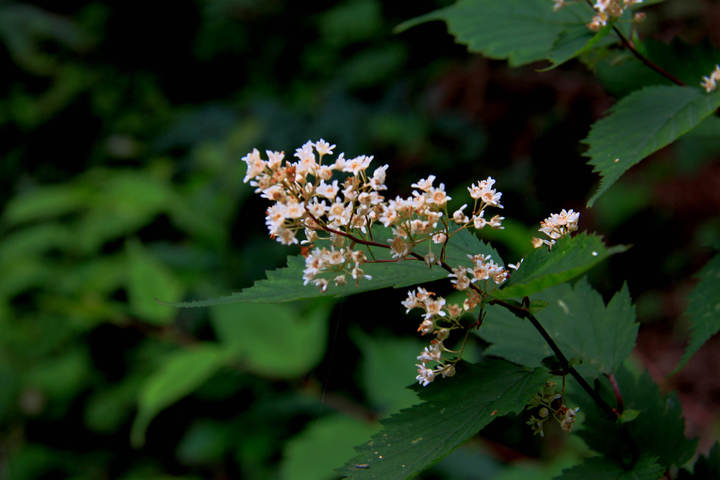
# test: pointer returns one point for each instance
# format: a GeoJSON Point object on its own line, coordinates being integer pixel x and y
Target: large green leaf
{"type": "Point", "coordinates": [181, 373]}
{"type": "Point", "coordinates": [452, 411]}
{"type": "Point", "coordinates": [273, 340]}
{"type": "Point", "coordinates": [599, 468]}
{"type": "Point", "coordinates": [568, 258]}
{"type": "Point", "coordinates": [286, 284]}
{"type": "Point", "coordinates": [703, 308]}
{"type": "Point", "coordinates": [521, 31]}
{"type": "Point", "coordinates": [658, 430]}
{"type": "Point", "coordinates": [599, 337]}
{"type": "Point", "coordinates": [642, 123]}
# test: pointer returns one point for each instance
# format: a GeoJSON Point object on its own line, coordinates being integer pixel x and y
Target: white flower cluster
{"type": "Point", "coordinates": [338, 202]}
{"type": "Point", "coordinates": [710, 82]}
{"type": "Point", "coordinates": [557, 226]}
{"type": "Point", "coordinates": [484, 268]}
{"type": "Point", "coordinates": [308, 198]}
{"type": "Point", "coordinates": [604, 10]}
{"type": "Point", "coordinates": [439, 319]}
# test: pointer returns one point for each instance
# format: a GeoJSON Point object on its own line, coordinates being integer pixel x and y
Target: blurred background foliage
{"type": "Point", "coordinates": [123, 125]}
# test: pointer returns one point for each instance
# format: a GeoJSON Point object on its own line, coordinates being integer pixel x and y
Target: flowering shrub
{"type": "Point", "coordinates": [570, 367]}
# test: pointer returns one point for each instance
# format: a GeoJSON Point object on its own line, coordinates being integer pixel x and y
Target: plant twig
{"type": "Point", "coordinates": [616, 389]}
{"type": "Point", "coordinates": [649, 63]}
{"type": "Point", "coordinates": [523, 311]}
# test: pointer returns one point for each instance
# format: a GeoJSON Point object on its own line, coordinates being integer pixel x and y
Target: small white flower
{"type": "Point", "coordinates": [425, 375]}
{"type": "Point", "coordinates": [328, 191]}
{"type": "Point", "coordinates": [424, 184]}
{"type": "Point", "coordinates": [439, 238]}
{"type": "Point", "coordinates": [255, 165]}
{"type": "Point", "coordinates": [377, 182]}
{"type": "Point", "coordinates": [323, 147]}
{"type": "Point", "coordinates": [357, 164]}
{"type": "Point", "coordinates": [459, 217]}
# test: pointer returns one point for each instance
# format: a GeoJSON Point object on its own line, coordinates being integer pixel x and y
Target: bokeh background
{"type": "Point", "coordinates": [122, 126]}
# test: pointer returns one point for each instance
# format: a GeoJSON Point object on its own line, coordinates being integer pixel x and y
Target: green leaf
{"type": "Point", "coordinates": [706, 466]}
{"type": "Point", "coordinates": [576, 41]}
{"type": "Point", "coordinates": [326, 442]}
{"type": "Point", "coordinates": [45, 202]}
{"type": "Point", "coordinates": [521, 31]}
{"type": "Point", "coordinates": [642, 123]}
{"type": "Point", "coordinates": [452, 411]}
{"type": "Point", "coordinates": [599, 468]}
{"type": "Point", "coordinates": [568, 258]}
{"type": "Point", "coordinates": [599, 337]}
{"type": "Point", "coordinates": [272, 340]}
{"type": "Point", "coordinates": [628, 415]}
{"type": "Point", "coordinates": [703, 309]}
{"type": "Point", "coordinates": [148, 281]}
{"type": "Point", "coordinates": [180, 373]}
{"type": "Point", "coordinates": [658, 431]}
{"type": "Point", "coordinates": [286, 284]}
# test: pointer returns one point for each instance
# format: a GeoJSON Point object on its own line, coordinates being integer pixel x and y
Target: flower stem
{"type": "Point", "coordinates": [649, 63]}
{"type": "Point", "coordinates": [523, 311]}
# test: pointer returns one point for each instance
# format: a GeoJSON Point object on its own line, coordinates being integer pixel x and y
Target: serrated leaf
{"type": "Point", "coordinates": [314, 452]}
{"type": "Point", "coordinates": [521, 31]}
{"type": "Point", "coordinates": [706, 466]}
{"type": "Point", "coordinates": [272, 340]}
{"type": "Point", "coordinates": [452, 411]}
{"type": "Point", "coordinates": [597, 337]}
{"type": "Point", "coordinates": [570, 257]}
{"type": "Point", "coordinates": [149, 280]}
{"type": "Point", "coordinates": [658, 431]}
{"type": "Point", "coordinates": [180, 373]}
{"type": "Point", "coordinates": [286, 284]}
{"type": "Point", "coordinates": [599, 468]}
{"type": "Point", "coordinates": [703, 308]}
{"type": "Point", "coordinates": [642, 123]}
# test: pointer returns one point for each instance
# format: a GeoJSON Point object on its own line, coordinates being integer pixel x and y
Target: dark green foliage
{"type": "Point", "coordinates": [703, 308]}
{"type": "Point", "coordinates": [123, 125]}
{"type": "Point", "coordinates": [658, 430]}
{"type": "Point", "coordinates": [599, 468]}
{"type": "Point", "coordinates": [706, 466]}
{"type": "Point", "coordinates": [451, 411]}
{"type": "Point", "coordinates": [643, 123]}
{"type": "Point", "coordinates": [521, 31]}
{"type": "Point", "coordinates": [568, 258]}
{"type": "Point", "coordinates": [596, 338]}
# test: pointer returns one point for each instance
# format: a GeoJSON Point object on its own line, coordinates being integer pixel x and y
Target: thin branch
{"type": "Point", "coordinates": [523, 311]}
{"type": "Point", "coordinates": [616, 390]}
{"type": "Point", "coordinates": [649, 63]}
